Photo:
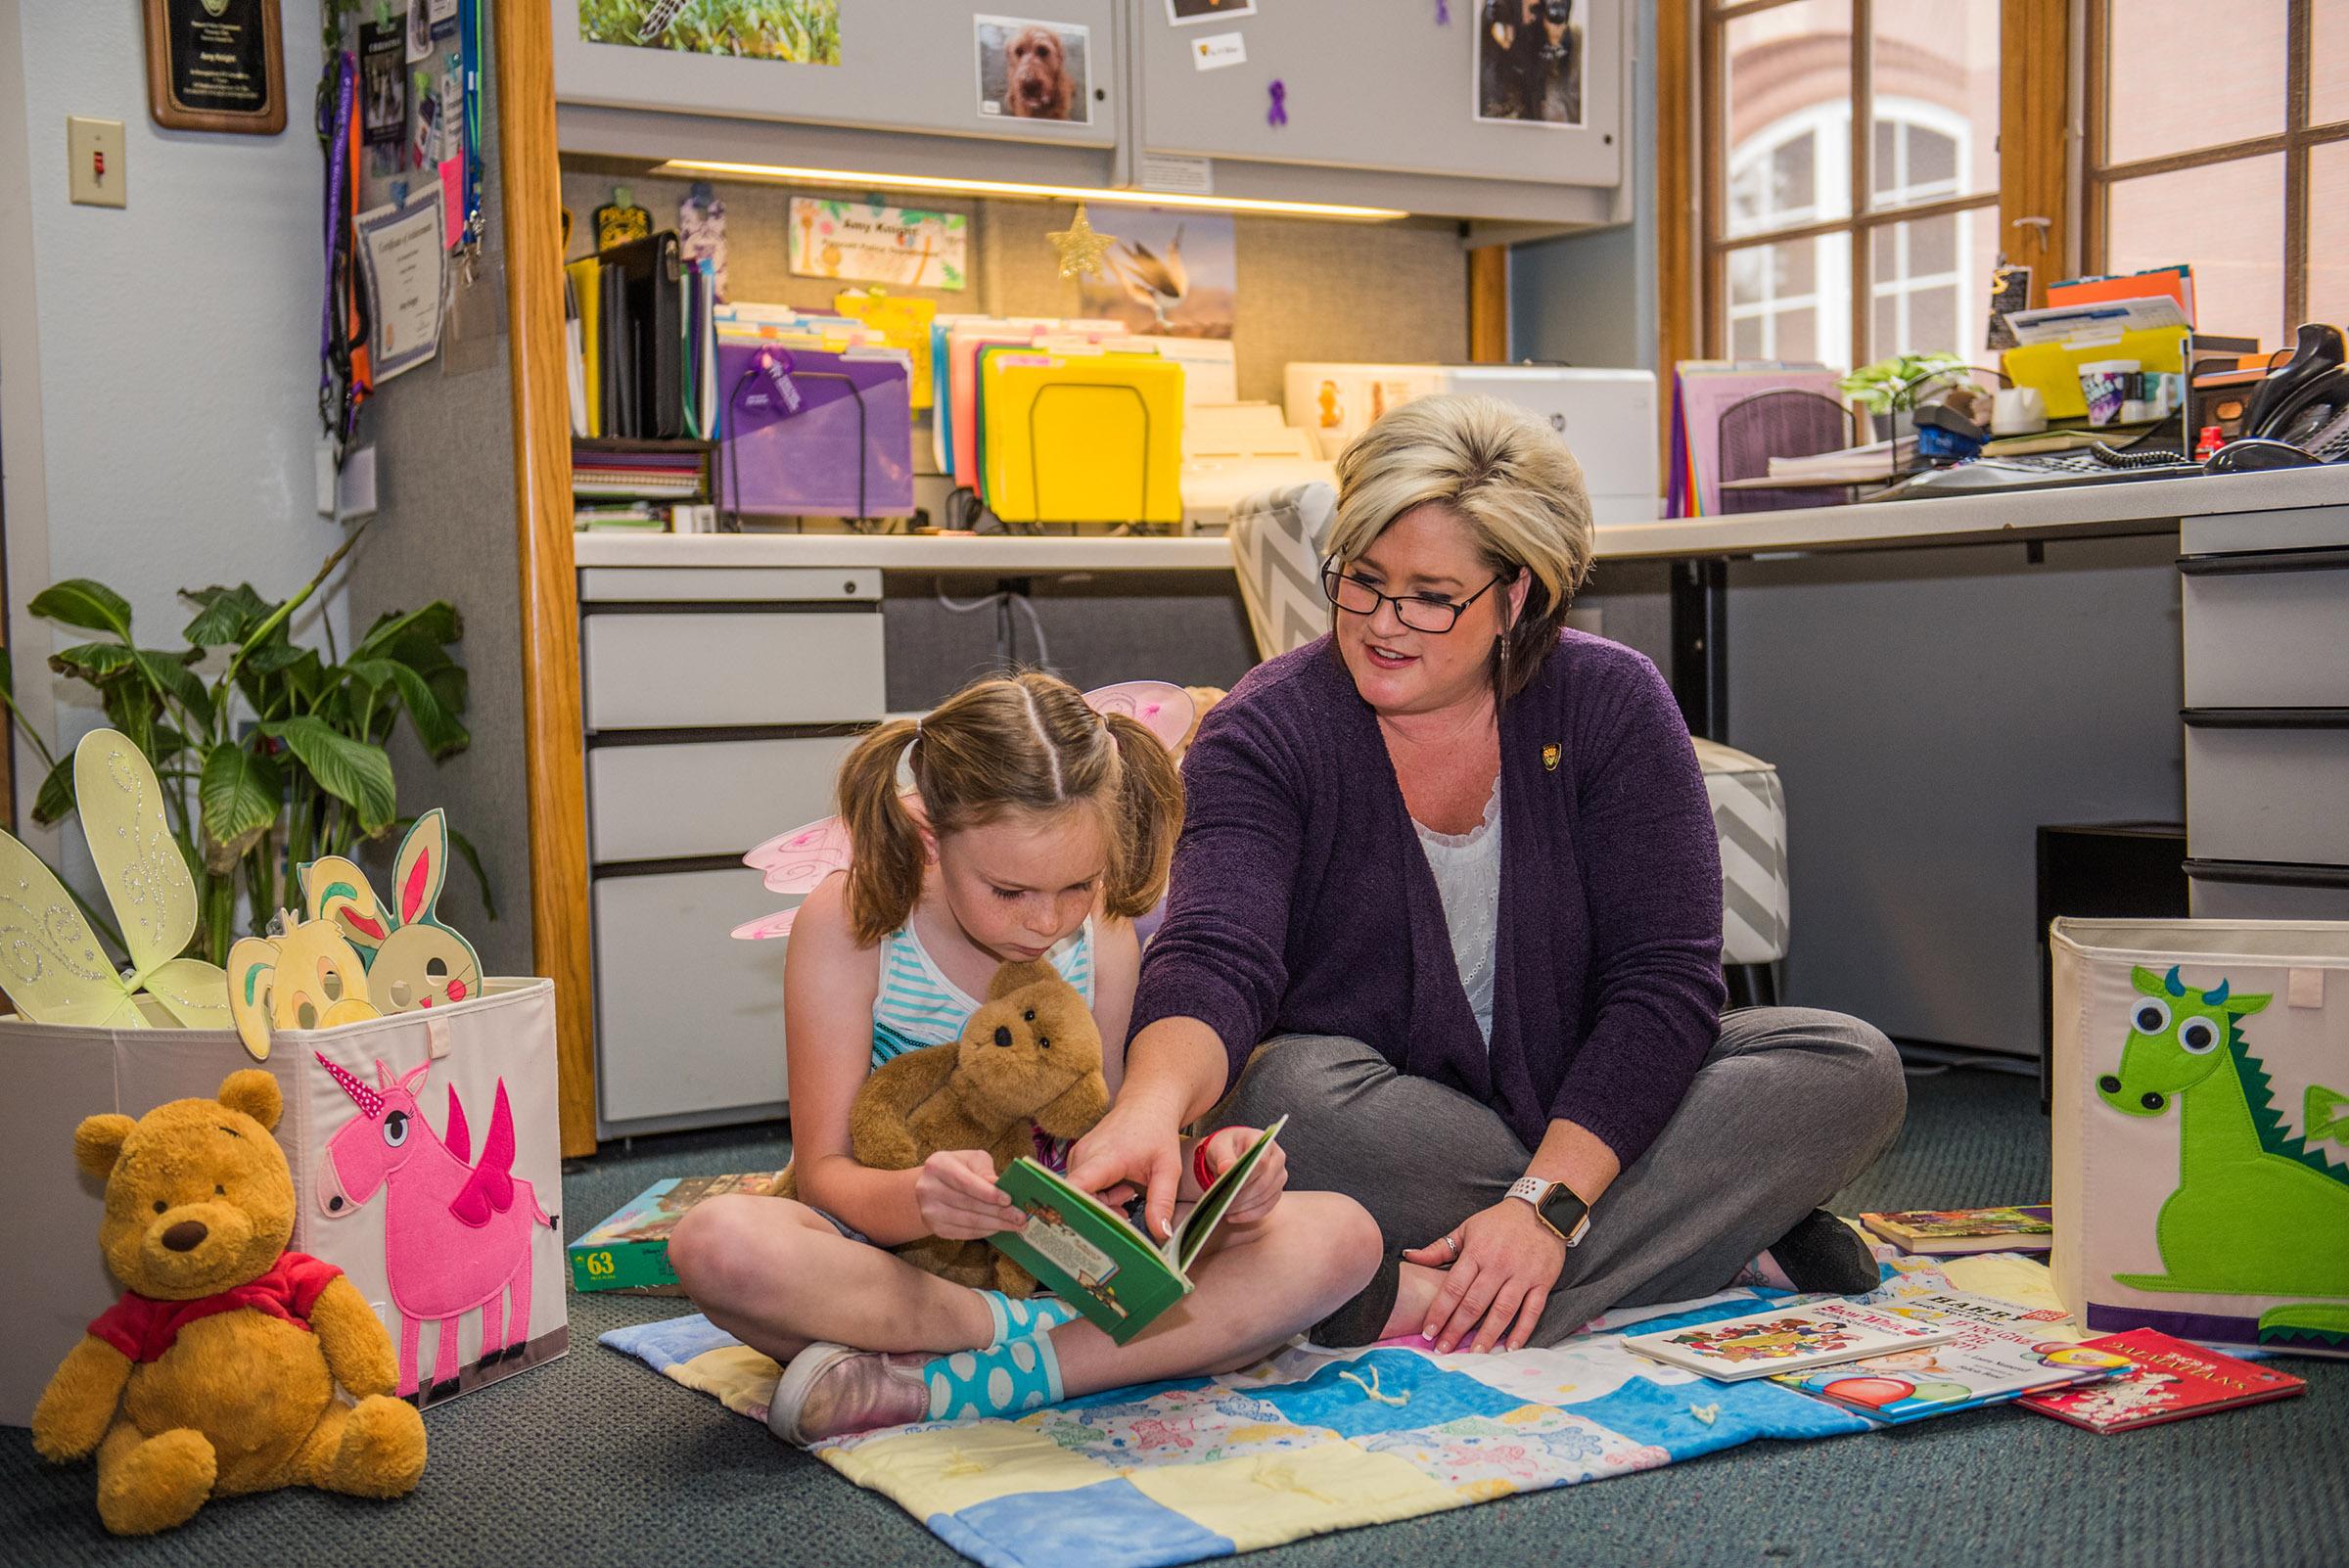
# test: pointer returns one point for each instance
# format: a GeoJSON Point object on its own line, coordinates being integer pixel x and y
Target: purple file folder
{"type": "Point", "coordinates": [847, 451]}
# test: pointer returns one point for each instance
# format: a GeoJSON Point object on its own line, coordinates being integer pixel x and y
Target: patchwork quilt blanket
{"type": "Point", "coordinates": [1311, 1439]}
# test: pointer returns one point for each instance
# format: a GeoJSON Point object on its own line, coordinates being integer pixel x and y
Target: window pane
{"type": "Point", "coordinates": [2328, 233]}
{"type": "Point", "coordinates": [1792, 300]}
{"type": "Point", "coordinates": [2227, 220]}
{"type": "Point", "coordinates": [1936, 73]}
{"type": "Point", "coordinates": [2182, 75]}
{"type": "Point", "coordinates": [2329, 71]}
{"type": "Point", "coordinates": [1787, 104]}
{"type": "Point", "coordinates": [1929, 288]}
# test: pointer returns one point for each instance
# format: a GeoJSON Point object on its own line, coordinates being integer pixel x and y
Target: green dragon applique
{"type": "Point", "coordinates": [2257, 1210]}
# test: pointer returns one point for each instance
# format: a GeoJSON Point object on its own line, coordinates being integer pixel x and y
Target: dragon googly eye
{"type": "Point", "coordinates": [2150, 1018]}
{"type": "Point", "coordinates": [2199, 1035]}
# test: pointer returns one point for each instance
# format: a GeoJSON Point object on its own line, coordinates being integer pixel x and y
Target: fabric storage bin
{"type": "Point", "coordinates": [2202, 1128]}
{"type": "Point", "coordinates": [476, 1259]}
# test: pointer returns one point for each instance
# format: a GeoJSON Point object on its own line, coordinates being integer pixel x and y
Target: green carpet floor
{"type": "Point", "coordinates": [594, 1461]}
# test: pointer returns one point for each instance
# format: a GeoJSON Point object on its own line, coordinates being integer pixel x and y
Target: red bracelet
{"type": "Point", "coordinates": [1199, 1164]}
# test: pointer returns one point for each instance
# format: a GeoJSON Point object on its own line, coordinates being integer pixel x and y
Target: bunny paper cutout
{"type": "Point", "coordinates": [302, 976]}
{"type": "Point", "coordinates": [795, 862]}
{"type": "Point", "coordinates": [50, 960]}
{"type": "Point", "coordinates": [412, 960]}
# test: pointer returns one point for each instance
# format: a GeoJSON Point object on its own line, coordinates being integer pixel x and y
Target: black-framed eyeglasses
{"type": "Point", "coordinates": [1420, 612]}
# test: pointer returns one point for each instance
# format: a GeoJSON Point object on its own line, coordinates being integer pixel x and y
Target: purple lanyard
{"type": "Point", "coordinates": [338, 170]}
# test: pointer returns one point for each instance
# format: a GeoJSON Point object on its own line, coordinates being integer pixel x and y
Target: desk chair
{"type": "Point", "coordinates": [1276, 545]}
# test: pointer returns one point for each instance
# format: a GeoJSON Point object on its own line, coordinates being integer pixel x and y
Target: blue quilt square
{"type": "Point", "coordinates": [1665, 1414]}
{"type": "Point", "coordinates": [1107, 1525]}
{"type": "Point", "coordinates": [1386, 1390]}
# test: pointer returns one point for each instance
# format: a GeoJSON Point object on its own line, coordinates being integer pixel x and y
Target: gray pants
{"type": "Point", "coordinates": [1790, 1105]}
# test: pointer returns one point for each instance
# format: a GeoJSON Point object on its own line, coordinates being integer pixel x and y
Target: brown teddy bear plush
{"type": "Point", "coordinates": [1029, 1061]}
{"type": "Point", "coordinates": [215, 1372]}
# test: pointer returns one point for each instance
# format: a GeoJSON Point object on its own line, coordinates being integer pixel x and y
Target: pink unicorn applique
{"type": "Point", "coordinates": [455, 1236]}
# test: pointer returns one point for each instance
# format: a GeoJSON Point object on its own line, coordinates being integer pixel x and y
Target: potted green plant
{"type": "Point", "coordinates": [1889, 386]}
{"type": "Point", "coordinates": [278, 758]}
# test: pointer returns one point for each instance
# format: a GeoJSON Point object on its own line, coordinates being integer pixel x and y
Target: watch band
{"type": "Point", "coordinates": [1540, 1194]}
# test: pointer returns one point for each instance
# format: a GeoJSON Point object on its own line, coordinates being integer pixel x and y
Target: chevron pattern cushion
{"type": "Point", "coordinates": [1276, 539]}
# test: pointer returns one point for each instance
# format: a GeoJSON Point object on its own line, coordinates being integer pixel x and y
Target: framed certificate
{"type": "Point", "coordinates": [216, 65]}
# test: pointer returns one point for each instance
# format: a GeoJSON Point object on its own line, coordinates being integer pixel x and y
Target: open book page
{"type": "Point", "coordinates": [1192, 1233]}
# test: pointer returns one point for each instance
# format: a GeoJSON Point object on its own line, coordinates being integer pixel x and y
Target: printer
{"type": "Point", "coordinates": [1608, 417]}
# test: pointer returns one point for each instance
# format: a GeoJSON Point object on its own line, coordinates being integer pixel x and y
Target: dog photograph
{"type": "Point", "coordinates": [1030, 69]}
{"type": "Point", "coordinates": [1183, 13]}
{"type": "Point", "coordinates": [1529, 62]}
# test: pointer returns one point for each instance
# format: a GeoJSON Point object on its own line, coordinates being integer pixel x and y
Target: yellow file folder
{"type": "Point", "coordinates": [2054, 368]}
{"type": "Point", "coordinates": [902, 323]}
{"type": "Point", "coordinates": [1081, 438]}
{"type": "Point", "coordinates": [583, 288]}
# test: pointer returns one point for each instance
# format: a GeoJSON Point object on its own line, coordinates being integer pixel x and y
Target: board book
{"type": "Point", "coordinates": [2027, 1229]}
{"type": "Point", "coordinates": [630, 1251]}
{"type": "Point", "coordinates": [1096, 1260]}
{"type": "Point", "coordinates": [2168, 1380]}
{"type": "Point", "coordinates": [1999, 1352]}
{"type": "Point", "coordinates": [1788, 1339]}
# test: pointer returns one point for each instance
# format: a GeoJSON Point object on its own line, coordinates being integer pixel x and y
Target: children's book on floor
{"type": "Point", "coordinates": [630, 1251]}
{"type": "Point", "coordinates": [1788, 1339]}
{"type": "Point", "coordinates": [2168, 1380]}
{"type": "Point", "coordinates": [2000, 1351]}
{"type": "Point", "coordinates": [2030, 1227]}
{"type": "Point", "coordinates": [1093, 1257]}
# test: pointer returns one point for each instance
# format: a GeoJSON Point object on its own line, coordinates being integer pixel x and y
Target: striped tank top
{"type": "Point", "coordinates": [918, 1006]}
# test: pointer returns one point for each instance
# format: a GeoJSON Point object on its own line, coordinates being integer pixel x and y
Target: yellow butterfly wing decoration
{"type": "Point", "coordinates": [56, 972]}
{"type": "Point", "coordinates": [146, 879]}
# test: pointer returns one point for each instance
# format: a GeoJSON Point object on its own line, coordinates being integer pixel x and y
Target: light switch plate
{"type": "Point", "coordinates": [87, 141]}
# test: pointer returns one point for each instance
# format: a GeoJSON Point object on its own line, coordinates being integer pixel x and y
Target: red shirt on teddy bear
{"type": "Point", "coordinates": [142, 1327]}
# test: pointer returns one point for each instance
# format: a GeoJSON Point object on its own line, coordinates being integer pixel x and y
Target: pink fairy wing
{"type": "Point", "coordinates": [1165, 710]}
{"type": "Point", "coordinates": [458, 1140]}
{"type": "Point", "coordinates": [777, 924]}
{"type": "Point", "coordinates": [490, 1188]}
{"type": "Point", "coordinates": [796, 861]}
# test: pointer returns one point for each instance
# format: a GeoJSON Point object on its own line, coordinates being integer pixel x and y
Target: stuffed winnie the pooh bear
{"type": "Point", "coordinates": [215, 1372]}
{"type": "Point", "coordinates": [1029, 1061]}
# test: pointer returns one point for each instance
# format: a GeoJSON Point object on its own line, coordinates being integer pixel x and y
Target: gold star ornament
{"type": "Point", "coordinates": [1081, 247]}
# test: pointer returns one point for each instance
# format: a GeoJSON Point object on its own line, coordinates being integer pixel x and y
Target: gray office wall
{"type": "Point", "coordinates": [1927, 711]}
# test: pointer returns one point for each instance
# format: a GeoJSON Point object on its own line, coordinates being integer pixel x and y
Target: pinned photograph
{"type": "Point", "coordinates": [1170, 274]}
{"type": "Point", "coordinates": [1183, 13]}
{"type": "Point", "coordinates": [1529, 62]}
{"type": "Point", "coordinates": [382, 83]}
{"type": "Point", "coordinates": [797, 33]}
{"type": "Point", "coordinates": [1032, 69]}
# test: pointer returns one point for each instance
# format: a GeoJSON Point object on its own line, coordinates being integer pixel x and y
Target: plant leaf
{"type": "Point", "coordinates": [226, 616]}
{"type": "Point", "coordinates": [79, 602]}
{"type": "Point", "coordinates": [352, 771]}
{"type": "Point", "coordinates": [241, 795]}
{"type": "Point", "coordinates": [97, 663]}
{"type": "Point", "coordinates": [170, 674]}
{"type": "Point", "coordinates": [442, 735]}
{"type": "Point", "coordinates": [465, 852]}
{"type": "Point", "coordinates": [437, 621]}
{"type": "Point", "coordinates": [55, 802]}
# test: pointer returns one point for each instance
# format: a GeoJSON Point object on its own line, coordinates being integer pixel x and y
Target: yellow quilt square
{"type": "Point", "coordinates": [949, 1469]}
{"type": "Point", "coordinates": [1262, 1500]}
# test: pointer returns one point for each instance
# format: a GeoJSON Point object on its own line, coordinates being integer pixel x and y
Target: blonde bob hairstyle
{"type": "Point", "coordinates": [1025, 744]}
{"type": "Point", "coordinates": [1511, 482]}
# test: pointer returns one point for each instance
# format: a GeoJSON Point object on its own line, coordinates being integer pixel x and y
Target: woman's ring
{"type": "Point", "coordinates": [1453, 1242]}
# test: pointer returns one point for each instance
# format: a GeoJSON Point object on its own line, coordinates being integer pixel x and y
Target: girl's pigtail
{"type": "Point", "coordinates": [1149, 811]}
{"type": "Point", "coordinates": [886, 854]}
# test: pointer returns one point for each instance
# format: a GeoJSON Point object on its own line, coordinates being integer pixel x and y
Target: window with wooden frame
{"type": "Point", "coordinates": [1848, 162]}
{"type": "Point", "coordinates": [2193, 155]}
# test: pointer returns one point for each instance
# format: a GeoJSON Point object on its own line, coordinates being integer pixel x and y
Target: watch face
{"type": "Point", "coordinates": [1567, 1214]}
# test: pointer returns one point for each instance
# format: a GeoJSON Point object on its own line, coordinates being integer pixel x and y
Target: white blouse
{"type": "Point", "coordinates": [1467, 870]}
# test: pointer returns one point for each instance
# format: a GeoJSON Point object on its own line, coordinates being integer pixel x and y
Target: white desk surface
{"type": "Point", "coordinates": [2075, 511]}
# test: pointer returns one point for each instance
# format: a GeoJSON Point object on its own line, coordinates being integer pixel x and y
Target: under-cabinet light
{"type": "Point", "coordinates": [856, 180]}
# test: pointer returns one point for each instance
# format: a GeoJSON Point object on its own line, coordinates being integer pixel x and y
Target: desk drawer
{"type": "Point", "coordinates": [2267, 630]}
{"type": "Point", "coordinates": [665, 671]}
{"type": "Point", "coordinates": [2268, 787]}
{"type": "Point", "coordinates": [694, 798]}
{"type": "Point", "coordinates": [687, 1021]}
{"type": "Point", "coordinates": [2232, 891]}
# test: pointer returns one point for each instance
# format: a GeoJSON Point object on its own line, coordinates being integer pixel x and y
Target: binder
{"type": "Point", "coordinates": [611, 304]}
{"type": "Point", "coordinates": [650, 272]}
{"type": "Point", "coordinates": [587, 290]}
{"type": "Point", "coordinates": [1081, 438]}
{"type": "Point", "coordinates": [847, 452]}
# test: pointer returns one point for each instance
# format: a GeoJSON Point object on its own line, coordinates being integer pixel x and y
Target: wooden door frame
{"type": "Point", "coordinates": [554, 745]}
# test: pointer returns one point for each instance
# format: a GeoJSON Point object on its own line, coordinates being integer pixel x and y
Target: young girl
{"type": "Point", "coordinates": [1043, 828]}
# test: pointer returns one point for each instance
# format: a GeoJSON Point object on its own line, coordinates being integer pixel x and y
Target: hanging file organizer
{"type": "Point", "coordinates": [1081, 438]}
{"type": "Point", "coordinates": [844, 450]}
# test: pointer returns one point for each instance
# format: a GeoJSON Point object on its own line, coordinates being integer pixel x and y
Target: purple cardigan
{"type": "Point", "coordinates": [1300, 902]}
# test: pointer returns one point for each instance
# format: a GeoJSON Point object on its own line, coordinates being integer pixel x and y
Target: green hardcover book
{"type": "Point", "coordinates": [1094, 1259]}
{"type": "Point", "coordinates": [630, 1251]}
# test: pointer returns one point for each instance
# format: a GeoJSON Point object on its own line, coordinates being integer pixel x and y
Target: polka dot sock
{"type": "Point", "coordinates": [1016, 1319]}
{"type": "Point", "coordinates": [1008, 1380]}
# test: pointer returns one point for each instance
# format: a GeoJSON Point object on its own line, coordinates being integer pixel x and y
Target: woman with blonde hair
{"type": "Point", "coordinates": [1037, 831]}
{"type": "Point", "coordinates": [1447, 894]}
